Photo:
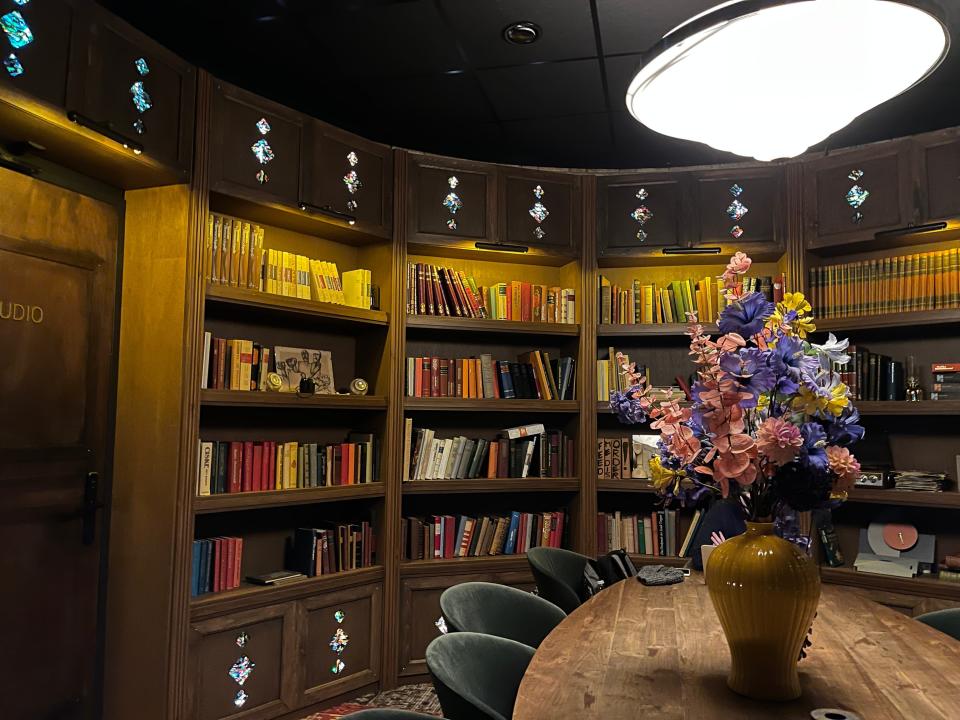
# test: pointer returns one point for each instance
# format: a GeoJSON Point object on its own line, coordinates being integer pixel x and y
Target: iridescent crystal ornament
{"type": "Point", "coordinates": [642, 194]}
{"type": "Point", "coordinates": [142, 66]}
{"type": "Point", "coordinates": [641, 235]}
{"type": "Point", "coordinates": [338, 667]}
{"type": "Point", "coordinates": [539, 233]}
{"type": "Point", "coordinates": [452, 202]}
{"type": "Point", "coordinates": [240, 699]}
{"type": "Point", "coordinates": [538, 192]}
{"type": "Point", "coordinates": [539, 212]}
{"type": "Point", "coordinates": [339, 615]}
{"type": "Point", "coordinates": [735, 190]}
{"type": "Point", "coordinates": [441, 624]}
{"type": "Point", "coordinates": [139, 127]}
{"type": "Point", "coordinates": [352, 181]}
{"type": "Point", "coordinates": [855, 175]}
{"type": "Point", "coordinates": [12, 65]}
{"type": "Point", "coordinates": [452, 181]}
{"type": "Point", "coordinates": [352, 158]}
{"type": "Point", "coordinates": [16, 28]}
{"type": "Point", "coordinates": [263, 126]}
{"type": "Point", "coordinates": [262, 151]}
{"type": "Point", "coordinates": [452, 224]}
{"type": "Point", "coordinates": [242, 639]}
{"type": "Point", "coordinates": [736, 210]}
{"type": "Point", "coordinates": [857, 196]}
{"type": "Point", "coordinates": [351, 205]}
{"type": "Point", "coordinates": [857, 217]}
{"type": "Point", "coordinates": [339, 641]}
{"type": "Point", "coordinates": [262, 176]}
{"type": "Point", "coordinates": [141, 98]}
{"type": "Point", "coordinates": [642, 214]}
{"type": "Point", "coordinates": [241, 669]}
{"type": "Point", "coordinates": [736, 231]}
{"type": "Point", "coordinates": [20, 2]}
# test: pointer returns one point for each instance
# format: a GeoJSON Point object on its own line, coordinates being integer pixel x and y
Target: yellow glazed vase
{"type": "Point", "coordinates": [765, 591]}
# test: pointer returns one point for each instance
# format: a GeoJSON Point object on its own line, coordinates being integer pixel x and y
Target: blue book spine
{"type": "Point", "coordinates": [205, 551]}
{"type": "Point", "coordinates": [506, 381]}
{"type": "Point", "coordinates": [195, 571]}
{"type": "Point", "coordinates": [511, 547]}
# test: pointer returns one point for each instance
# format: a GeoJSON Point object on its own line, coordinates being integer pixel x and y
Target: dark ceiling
{"type": "Point", "coordinates": [437, 75]}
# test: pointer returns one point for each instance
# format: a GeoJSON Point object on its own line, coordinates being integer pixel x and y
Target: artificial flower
{"type": "Point", "coordinates": [833, 351]}
{"type": "Point", "coordinates": [796, 302]}
{"type": "Point", "coordinates": [779, 440]}
{"type": "Point", "coordinates": [750, 369]}
{"type": "Point", "coordinates": [739, 264]}
{"type": "Point", "coordinates": [843, 429]}
{"type": "Point", "coordinates": [813, 452]}
{"type": "Point", "coordinates": [844, 465]}
{"type": "Point", "coordinates": [745, 316]}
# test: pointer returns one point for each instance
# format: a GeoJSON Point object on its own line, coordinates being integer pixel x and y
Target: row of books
{"type": "Point", "coordinates": [625, 457]}
{"type": "Point", "coordinates": [216, 565]}
{"type": "Point", "coordinates": [534, 376]}
{"type": "Point", "coordinates": [246, 466]}
{"type": "Point", "coordinates": [655, 534]}
{"type": "Point", "coordinates": [453, 536]}
{"type": "Point", "coordinates": [235, 256]}
{"type": "Point", "coordinates": [446, 292]}
{"type": "Point", "coordinates": [946, 381]}
{"type": "Point", "coordinates": [872, 376]}
{"type": "Point", "coordinates": [920, 281]}
{"type": "Point", "coordinates": [535, 453]}
{"type": "Point", "coordinates": [645, 303]}
{"type": "Point", "coordinates": [234, 364]}
{"type": "Point", "coordinates": [333, 548]}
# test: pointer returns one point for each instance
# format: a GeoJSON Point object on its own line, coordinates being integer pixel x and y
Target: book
{"type": "Point", "coordinates": [534, 376]}
{"type": "Point", "coordinates": [450, 536]}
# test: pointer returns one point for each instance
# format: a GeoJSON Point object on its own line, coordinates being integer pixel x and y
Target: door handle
{"type": "Point", "coordinates": [91, 504]}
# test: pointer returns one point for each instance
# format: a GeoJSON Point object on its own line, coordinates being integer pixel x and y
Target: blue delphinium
{"type": "Point", "coordinates": [747, 316]}
{"type": "Point", "coordinates": [750, 368]}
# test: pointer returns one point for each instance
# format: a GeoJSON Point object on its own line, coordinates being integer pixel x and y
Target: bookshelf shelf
{"type": "Point", "coordinates": [619, 330]}
{"type": "Point", "coordinates": [496, 563]}
{"type": "Point", "coordinates": [456, 324]}
{"type": "Point", "coordinates": [249, 595]}
{"type": "Point", "coordinates": [900, 407]}
{"type": "Point", "coordinates": [227, 502]}
{"type": "Point", "coordinates": [490, 485]}
{"type": "Point", "coordinates": [456, 249]}
{"type": "Point", "coordinates": [236, 398]}
{"type": "Point", "coordinates": [630, 485]}
{"type": "Point", "coordinates": [278, 304]}
{"type": "Point", "coordinates": [905, 498]}
{"type": "Point", "coordinates": [491, 405]}
{"type": "Point", "coordinates": [908, 586]}
{"type": "Point", "coordinates": [668, 560]}
{"type": "Point", "coordinates": [893, 320]}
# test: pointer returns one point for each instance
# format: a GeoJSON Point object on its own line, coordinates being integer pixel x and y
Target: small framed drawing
{"type": "Point", "coordinates": [294, 364]}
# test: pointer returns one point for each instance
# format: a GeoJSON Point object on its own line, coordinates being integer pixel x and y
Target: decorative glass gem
{"type": "Point", "coordinates": [16, 28]}
{"type": "Point", "coordinates": [642, 214]}
{"type": "Point", "coordinates": [855, 175]}
{"type": "Point", "coordinates": [539, 212]}
{"type": "Point", "coordinates": [241, 669]}
{"type": "Point", "coordinates": [857, 217]}
{"type": "Point", "coordinates": [736, 231]}
{"type": "Point", "coordinates": [262, 176]}
{"type": "Point", "coordinates": [642, 194]}
{"type": "Point", "coordinates": [452, 202]}
{"type": "Point", "coordinates": [263, 126]}
{"type": "Point", "coordinates": [452, 224]}
{"type": "Point", "coordinates": [539, 233]}
{"type": "Point", "coordinates": [737, 210]}
{"type": "Point", "coordinates": [538, 192]}
{"type": "Point", "coordinates": [352, 158]}
{"type": "Point", "coordinates": [352, 181]}
{"type": "Point", "coordinates": [641, 235]}
{"type": "Point", "coordinates": [339, 641]}
{"type": "Point", "coordinates": [338, 667]}
{"type": "Point", "coordinates": [13, 66]}
{"type": "Point", "coordinates": [141, 98]}
{"type": "Point", "coordinates": [857, 196]}
{"type": "Point", "coordinates": [21, 2]}
{"type": "Point", "coordinates": [241, 698]}
{"type": "Point", "coordinates": [142, 66]}
{"type": "Point", "coordinates": [351, 204]}
{"type": "Point", "coordinates": [138, 126]}
{"type": "Point", "coordinates": [442, 625]}
{"type": "Point", "coordinates": [735, 190]}
{"type": "Point", "coordinates": [452, 181]}
{"type": "Point", "coordinates": [262, 151]}
{"type": "Point", "coordinates": [339, 615]}
{"type": "Point", "coordinates": [242, 639]}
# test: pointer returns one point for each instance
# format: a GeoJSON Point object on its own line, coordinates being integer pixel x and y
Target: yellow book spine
{"type": "Point", "coordinates": [954, 289]}
{"type": "Point", "coordinates": [290, 474]}
{"type": "Point", "coordinates": [280, 465]}
{"type": "Point", "coordinates": [937, 280]}
{"type": "Point", "coordinates": [208, 250]}
{"type": "Point", "coordinates": [243, 260]}
{"type": "Point", "coordinates": [235, 253]}
{"type": "Point", "coordinates": [235, 349]}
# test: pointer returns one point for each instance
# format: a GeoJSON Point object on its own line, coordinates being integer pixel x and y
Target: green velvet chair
{"type": "Point", "coordinates": [499, 610]}
{"type": "Point", "coordinates": [477, 676]}
{"type": "Point", "coordinates": [390, 714]}
{"type": "Point", "coordinates": [946, 621]}
{"type": "Point", "coordinates": [559, 575]}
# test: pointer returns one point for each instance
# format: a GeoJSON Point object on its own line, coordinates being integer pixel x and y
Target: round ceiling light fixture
{"type": "Point", "coordinates": [770, 78]}
{"type": "Point", "coordinates": [521, 33]}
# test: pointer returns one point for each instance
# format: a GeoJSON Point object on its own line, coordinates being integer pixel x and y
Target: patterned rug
{"type": "Point", "coordinates": [418, 698]}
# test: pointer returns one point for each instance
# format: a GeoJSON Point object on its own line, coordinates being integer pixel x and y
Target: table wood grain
{"type": "Point", "coordinates": [659, 652]}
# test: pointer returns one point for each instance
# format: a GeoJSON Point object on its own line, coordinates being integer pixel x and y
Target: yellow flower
{"type": "Point", "coordinates": [662, 477]}
{"type": "Point", "coordinates": [803, 326]}
{"type": "Point", "coordinates": [837, 401]}
{"type": "Point", "coordinates": [763, 402]}
{"type": "Point", "coordinates": [807, 401]}
{"type": "Point", "coordinates": [794, 301]}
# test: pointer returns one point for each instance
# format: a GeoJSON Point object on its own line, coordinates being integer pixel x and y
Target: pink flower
{"type": "Point", "coordinates": [844, 465]}
{"type": "Point", "coordinates": [779, 440]}
{"type": "Point", "coordinates": [739, 264]}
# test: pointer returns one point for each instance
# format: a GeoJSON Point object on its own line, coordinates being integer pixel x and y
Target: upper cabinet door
{"type": "Point", "coordinates": [740, 207]}
{"type": "Point", "coordinates": [255, 148]}
{"type": "Point", "coordinates": [138, 89]}
{"type": "Point", "coordinates": [848, 196]}
{"type": "Point", "coordinates": [451, 200]}
{"type": "Point", "coordinates": [939, 160]}
{"type": "Point", "coordinates": [35, 59]}
{"type": "Point", "coordinates": [640, 213]}
{"type": "Point", "coordinates": [350, 175]}
{"type": "Point", "coordinates": [540, 209]}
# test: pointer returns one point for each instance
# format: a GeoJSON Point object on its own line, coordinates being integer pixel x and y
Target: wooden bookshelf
{"type": "Point", "coordinates": [229, 502]}
{"type": "Point", "coordinates": [890, 320]}
{"type": "Point", "coordinates": [926, 587]}
{"type": "Point", "coordinates": [484, 563]}
{"type": "Point", "coordinates": [628, 485]}
{"type": "Point", "coordinates": [491, 485]}
{"type": "Point", "coordinates": [252, 399]}
{"type": "Point", "coordinates": [620, 330]}
{"type": "Point", "coordinates": [278, 304]}
{"type": "Point", "coordinates": [905, 498]}
{"type": "Point", "coordinates": [901, 407]}
{"type": "Point", "coordinates": [668, 560]}
{"type": "Point", "coordinates": [484, 325]}
{"type": "Point", "coordinates": [490, 405]}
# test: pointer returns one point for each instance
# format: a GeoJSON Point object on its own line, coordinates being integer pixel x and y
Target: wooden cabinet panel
{"type": "Point", "coordinates": [940, 175]}
{"type": "Point", "coordinates": [235, 167]}
{"type": "Point", "coordinates": [327, 165]}
{"type": "Point", "coordinates": [39, 68]}
{"type": "Point", "coordinates": [719, 195]}
{"type": "Point", "coordinates": [430, 181]}
{"type": "Point", "coordinates": [349, 616]}
{"type": "Point", "coordinates": [557, 203]}
{"type": "Point", "coordinates": [658, 195]}
{"type": "Point", "coordinates": [830, 220]}
{"type": "Point", "coordinates": [255, 646]}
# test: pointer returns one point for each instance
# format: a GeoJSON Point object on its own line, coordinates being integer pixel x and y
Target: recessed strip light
{"type": "Point", "coordinates": [691, 251]}
{"type": "Point", "coordinates": [328, 211]}
{"type": "Point", "coordinates": [102, 129]}
{"type": "Point", "coordinates": [915, 230]}
{"type": "Point", "coordinates": [501, 247]}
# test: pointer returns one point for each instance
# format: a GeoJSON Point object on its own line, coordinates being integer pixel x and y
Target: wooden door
{"type": "Point", "coordinates": [939, 156]}
{"type": "Point", "coordinates": [57, 311]}
{"type": "Point", "coordinates": [541, 209]}
{"type": "Point", "coordinates": [451, 201]}
{"type": "Point", "coordinates": [639, 214]}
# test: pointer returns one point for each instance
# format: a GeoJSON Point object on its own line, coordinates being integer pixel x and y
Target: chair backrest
{"type": "Point", "coordinates": [499, 610]}
{"type": "Point", "coordinates": [559, 575]}
{"type": "Point", "coordinates": [477, 676]}
{"type": "Point", "coordinates": [389, 714]}
{"type": "Point", "coordinates": [946, 621]}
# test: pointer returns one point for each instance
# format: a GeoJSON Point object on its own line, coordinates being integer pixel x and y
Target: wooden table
{"type": "Point", "coordinates": [659, 652]}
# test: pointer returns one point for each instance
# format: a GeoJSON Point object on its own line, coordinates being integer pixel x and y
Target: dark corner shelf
{"type": "Point", "coordinates": [925, 587]}
{"type": "Point", "coordinates": [905, 498]}
{"type": "Point", "coordinates": [459, 324]}
{"type": "Point", "coordinates": [629, 485]}
{"type": "Point", "coordinates": [621, 330]}
{"type": "Point", "coordinates": [669, 560]}
{"type": "Point", "coordinates": [238, 398]}
{"type": "Point", "coordinates": [490, 405]}
{"type": "Point", "coordinates": [280, 305]}
{"type": "Point", "coordinates": [463, 249]}
{"type": "Point", "coordinates": [490, 485]}
{"type": "Point", "coordinates": [890, 320]}
{"type": "Point", "coordinates": [497, 563]}
{"type": "Point", "coordinates": [901, 407]}
{"type": "Point", "coordinates": [228, 502]}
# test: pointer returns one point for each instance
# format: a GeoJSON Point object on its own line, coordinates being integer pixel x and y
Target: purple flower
{"type": "Point", "coordinates": [746, 316]}
{"type": "Point", "coordinates": [627, 408]}
{"type": "Point", "coordinates": [750, 369]}
{"type": "Point", "coordinates": [844, 429]}
{"type": "Point", "coordinates": [813, 453]}
{"type": "Point", "coordinates": [789, 350]}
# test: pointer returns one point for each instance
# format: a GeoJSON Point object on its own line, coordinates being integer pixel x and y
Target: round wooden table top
{"type": "Point", "coordinates": [659, 652]}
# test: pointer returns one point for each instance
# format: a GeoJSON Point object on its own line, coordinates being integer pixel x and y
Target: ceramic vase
{"type": "Point", "coordinates": [765, 591]}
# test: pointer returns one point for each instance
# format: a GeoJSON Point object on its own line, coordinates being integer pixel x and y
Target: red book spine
{"type": "Point", "coordinates": [271, 466]}
{"type": "Point", "coordinates": [444, 383]}
{"type": "Point", "coordinates": [449, 535]}
{"type": "Point", "coordinates": [235, 477]}
{"type": "Point", "coordinates": [258, 467]}
{"type": "Point", "coordinates": [437, 525]}
{"type": "Point", "coordinates": [526, 302]}
{"type": "Point", "coordinates": [438, 293]}
{"type": "Point", "coordinates": [215, 571]}
{"type": "Point", "coordinates": [228, 570]}
{"type": "Point", "coordinates": [945, 367]}
{"type": "Point", "coordinates": [450, 298]}
{"type": "Point", "coordinates": [435, 377]}
{"type": "Point", "coordinates": [460, 282]}
{"type": "Point", "coordinates": [421, 294]}
{"type": "Point", "coordinates": [238, 562]}
{"type": "Point", "coordinates": [247, 483]}
{"type": "Point", "coordinates": [428, 284]}
{"type": "Point", "coordinates": [425, 377]}
{"type": "Point", "coordinates": [503, 459]}
{"type": "Point", "coordinates": [345, 478]}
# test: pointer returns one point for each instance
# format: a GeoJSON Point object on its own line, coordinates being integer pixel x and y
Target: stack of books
{"type": "Point", "coordinates": [446, 292]}
{"type": "Point", "coordinates": [870, 376]}
{"type": "Point", "coordinates": [234, 364]}
{"type": "Point", "coordinates": [534, 376]}
{"type": "Point", "coordinates": [334, 548]}
{"type": "Point", "coordinates": [946, 381]}
{"type": "Point", "coordinates": [918, 480]}
{"type": "Point", "coordinates": [654, 534]}
{"type": "Point", "coordinates": [453, 536]}
{"type": "Point", "coordinates": [216, 565]}
{"type": "Point", "coordinates": [625, 457]}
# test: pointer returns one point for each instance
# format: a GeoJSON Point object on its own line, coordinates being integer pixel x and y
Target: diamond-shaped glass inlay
{"type": "Point", "coordinates": [263, 126]}
{"type": "Point", "coordinates": [141, 98]}
{"type": "Point", "coordinates": [241, 669]}
{"type": "Point", "coordinates": [16, 28]}
{"type": "Point", "coordinates": [21, 3]}
{"type": "Point", "coordinates": [262, 176]}
{"type": "Point", "coordinates": [339, 615]}
{"type": "Point", "coordinates": [352, 205]}
{"type": "Point", "coordinates": [539, 212]}
{"type": "Point", "coordinates": [538, 192]}
{"type": "Point", "coordinates": [858, 217]}
{"type": "Point", "coordinates": [735, 190]}
{"type": "Point", "coordinates": [139, 126]}
{"type": "Point", "coordinates": [262, 151]}
{"type": "Point", "coordinates": [642, 214]}
{"type": "Point", "coordinates": [641, 235]}
{"type": "Point", "coordinates": [242, 639]}
{"type": "Point", "coordinates": [642, 194]}
{"type": "Point", "coordinates": [339, 641]}
{"type": "Point", "coordinates": [857, 196]}
{"type": "Point", "coordinates": [452, 181]}
{"type": "Point", "coordinates": [338, 667]}
{"type": "Point", "coordinates": [452, 224]}
{"type": "Point", "coordinates": [736, 210]}
{"type": "Point", "coordinates": [352, 158]}
{"type": "Point", "coordinates": [12, 65]}
{"type": "Point", "coordinates": [539, 233]}
{"type": "Point", "coordinates": [352, 181]}
{"type": "Point", "coordinates": [241, 698]}
{"type": "Point", "coordinates": [142, 66]}
{"type": "Point", "coordinates": [736, 231]}
{"type": "Point", "coordinates": [441, 624]}
{"type": "Point", "coordinates": [452, 202]}
{"type": "Point", "coordinates": [855, 175]}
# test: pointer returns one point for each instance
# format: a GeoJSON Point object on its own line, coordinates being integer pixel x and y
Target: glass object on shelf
{"type": "Point", "coordinates": [138, 126]}
{"type": "Point", "coordinates": [142, 67]}
{"type": "Point", "coordinates": [241, 698]}
{"type": "Point", "coordinates": [263, 126]}
{"type": "Point", "coordinates": [140, 97]}
{"type": "Point", "coordinates": [339, 615]}
{"type": "Point", "coordinates": [16, 28]}
{"type": "Point", "coordinates": [262, 176]}
{"type": "Point", "coordinates": [352, 158]}
{"type": "Point", "coordinates": [338, 667]}
{"type": "Point", "coordinates": [914, 393]}
{"type": "Point", "coordinates": [13, 65]}
{"type": "Point", "coordinates": [242, 639]}
{"type": "Point", "coordinates": [262, 151]}
{"type": "Point", "coordinates": [642, 194]}
{"type": "Point", "coordinates": [352, 181]}
{"type": "Point", "coordinates": [736, 210]}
